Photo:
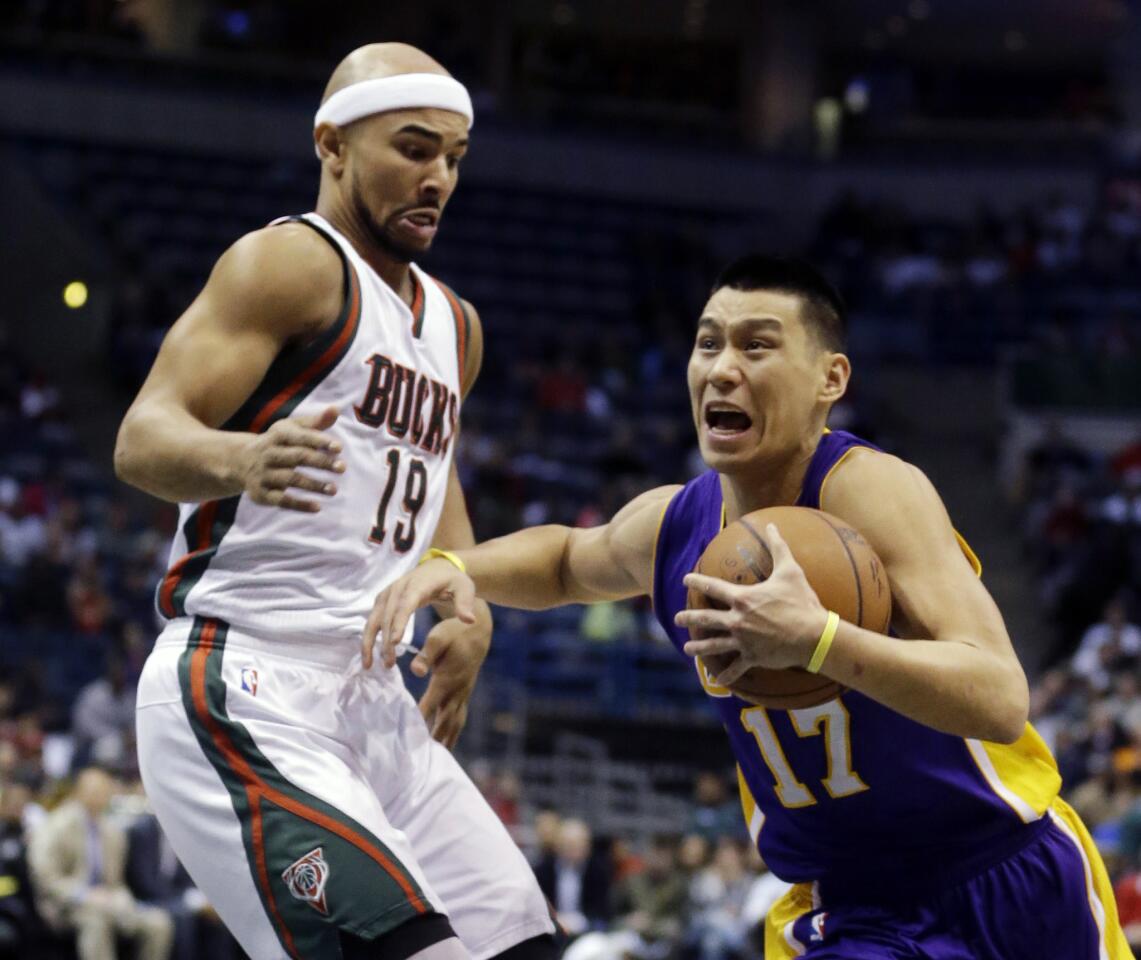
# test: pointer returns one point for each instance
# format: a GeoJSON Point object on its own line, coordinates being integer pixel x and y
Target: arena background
{"type": "Point", "coordinates": [967, 172]}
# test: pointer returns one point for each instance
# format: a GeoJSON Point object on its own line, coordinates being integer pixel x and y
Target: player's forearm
{"type": "Point", "coordinates": [946, 684]}
{"type": "Point", "coordinates": [169, 454]}
{"type": "Point", "coordinates": [524, 570]}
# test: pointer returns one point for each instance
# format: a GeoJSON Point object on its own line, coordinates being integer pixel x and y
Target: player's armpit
{"type": "Point", "coordinates": [616, 560]}
{"type": "Point", "coordinates": [473, 350]}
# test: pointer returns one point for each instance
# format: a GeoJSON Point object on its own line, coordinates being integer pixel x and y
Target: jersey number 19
{"type": "Point", "coordinates": [415, 493]}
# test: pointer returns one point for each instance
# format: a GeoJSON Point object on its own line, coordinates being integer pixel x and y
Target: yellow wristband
{"type": "Point", "coordinates": [824, 644]}
{"type": "Point", "coordinates": [434, 552]}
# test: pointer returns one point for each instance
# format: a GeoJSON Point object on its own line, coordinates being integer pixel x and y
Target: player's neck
{"type": "Point", "coordinates": [771, 483]}
{"type": "Point", "coordinates": [396, 273]}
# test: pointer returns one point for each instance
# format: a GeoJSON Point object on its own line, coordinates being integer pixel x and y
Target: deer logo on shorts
{"type": "Point", "coordinates": [306, 879]}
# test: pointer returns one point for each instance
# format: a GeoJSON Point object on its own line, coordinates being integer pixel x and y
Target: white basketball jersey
{"type": "Point", "coordinates": [393, 373]}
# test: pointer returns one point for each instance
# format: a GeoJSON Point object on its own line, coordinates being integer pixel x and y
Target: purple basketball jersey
{"type": "Point", "coordinates": [851, 793]}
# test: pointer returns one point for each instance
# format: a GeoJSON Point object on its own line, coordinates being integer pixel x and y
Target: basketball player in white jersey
{"type": "Point", "coordinates": [303, 411]}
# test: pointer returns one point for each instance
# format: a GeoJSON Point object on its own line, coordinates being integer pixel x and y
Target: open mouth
{"type": "Point", "coordinates": [726, 420]}
{"type": "Point", "coordinates": [421, 223]}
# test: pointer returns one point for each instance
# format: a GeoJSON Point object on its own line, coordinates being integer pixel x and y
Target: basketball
{"type": "Point", "coordinates": [840, 566]}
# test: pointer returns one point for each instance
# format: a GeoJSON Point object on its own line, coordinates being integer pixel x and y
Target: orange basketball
{"type": "Point", "coordinates": [840, 566]}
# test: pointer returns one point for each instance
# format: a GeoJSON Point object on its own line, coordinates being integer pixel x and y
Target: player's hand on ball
{"type": "Point", "coordinates": [773, 624]}
{"type": "Point", "coordinates": [275, 465]}
{"type": "Point", "coordinates": [436, 581]}
{"type": "Point", "coordinates": [453, 652]}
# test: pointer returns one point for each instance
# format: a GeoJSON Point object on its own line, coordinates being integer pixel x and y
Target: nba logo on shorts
{"type": "Point", "coordinates": [250, 680]}
{"type": "Point", "coordinates": [306, 879]}
{"type": "Point", "coordinates": [818, 927]}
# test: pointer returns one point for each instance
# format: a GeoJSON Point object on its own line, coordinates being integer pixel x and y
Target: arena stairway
{"type": "Point", "coordinates": [952, 435]}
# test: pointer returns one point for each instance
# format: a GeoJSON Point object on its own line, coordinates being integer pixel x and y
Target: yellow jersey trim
{"type": "Point", "coordinates": [780, 944]}
{"type": "Point", "coordinates": [972, 557]}
{"type": "Point", "coordinates": [832, 469]}
{"type": "Point", "coordinates": [1023, 774]}
{"type": "Point", "coordinates": [1112, 944]}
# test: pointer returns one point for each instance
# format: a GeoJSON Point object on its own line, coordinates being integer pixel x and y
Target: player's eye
{"type": "Point", "coordinates": [706, 343]}
{"type": "Point", "coordinates": [454, 161]}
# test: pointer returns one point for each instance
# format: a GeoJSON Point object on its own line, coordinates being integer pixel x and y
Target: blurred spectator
{"type": "Point", "coordinates": [714, 814]}
{"type": "Point", "coordinates": [766, 890]}
{"type": "Point", "coordinates": [562, 389]}
{"type": "Point", "coordinates": [575, 880]}
{"type": "Point", "coordinates": [1128, 895]}
{"type": "Point", "coordinates": [156, 878]}
{"type": "Point", "coordinates": [718, 893]}
{"type": "Point", "coordinates": [1109, 793]}
{"type": "Point", "coordinates": [103, 720]}
{"type": "Point", "coordinates": [1107, 646]}
{"type": "Point", "coordinates": [546, 832]}
{"type": "Point", "coordinates": [608, 622]}
{"type": "Point", "coordinates": [77, 857]}
{"type": "Point", "coordinates": [17, 911]}
{"type": "Point", "coordinates": [654, 902]}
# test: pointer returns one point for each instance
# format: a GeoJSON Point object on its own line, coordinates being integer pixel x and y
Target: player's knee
{"type": "Point", "coordinates": [428, 937]}
{"type": "Point", "coordinates": [542, 947]}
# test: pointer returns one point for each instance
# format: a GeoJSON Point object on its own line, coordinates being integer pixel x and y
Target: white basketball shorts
{"type": "Point", "coordinates": [304, 796]}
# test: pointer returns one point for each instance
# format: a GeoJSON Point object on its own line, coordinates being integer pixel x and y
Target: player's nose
{"type": "Point", "coordinates": [726, 370]}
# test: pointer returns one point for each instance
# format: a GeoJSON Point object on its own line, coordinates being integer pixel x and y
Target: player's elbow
{"type": "Point", "coordinates": [126, 457]}
{"type": "Point", "coordinates": [1011, 707]}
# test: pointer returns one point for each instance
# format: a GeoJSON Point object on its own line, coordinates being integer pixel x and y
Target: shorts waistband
{"type": "Point", "coordinates": [930, 873]}
{"type": "Point", "coordinates": [336, 655]}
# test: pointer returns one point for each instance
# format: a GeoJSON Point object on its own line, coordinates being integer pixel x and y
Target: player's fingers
{"type": "Point", "coordinates": [717, 621]}
{"type": "Point", "coordinates": [282, 479]}
{"type": "Point", "coordinates": [435, 646]}
{"type": "Point", "coordinates": [294, 433]}
{"type": "Point", "coordinates": [448, 724]}
{"type": "Point", "coordinates": [782, 555]}
{"type": "Point", "coordinates": [368, 637]}
{"type": "Point", "coordinates": [463, 598]}
{"type": "Point", "coordinates": [299, 456]}
{"type": "Point", "coordinates": [708, 645]}
{"type": "Point", "coordinates": [732, 673]}
{"type": "Point", "coordinates": [434, 698]}
{"type": "Point", "coordinates": [300, 504]}
{"type": "Point", "coordinates": [713, 587]}
{"type": "Point", "coordinates": [318, 421]}
{"type": "Point", "coordinates": [399, 613]}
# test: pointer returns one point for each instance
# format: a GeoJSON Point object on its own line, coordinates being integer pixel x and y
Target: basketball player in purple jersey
{"type": "Point", "coordinates": [917, 814]}
{"type": "Point", "coordinates": [303, 412]}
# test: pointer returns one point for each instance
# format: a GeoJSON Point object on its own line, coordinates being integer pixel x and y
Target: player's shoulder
{"type": "Point", "coordinates": [865, 468]}
{"type": "Point", "coordinates": [644, 512]}
{"type": "Point", "coordinates": [286, 272]}
{"type": "Point", "coordinates": [288, 256]}
{"type": "Point", "coordinates": [877, 491]}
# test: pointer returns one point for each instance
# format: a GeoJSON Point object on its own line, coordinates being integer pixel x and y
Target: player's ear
{"type": "Point", "coordinates": [330, 147]}
{"type": "Point", "coordinates": [837, 370]}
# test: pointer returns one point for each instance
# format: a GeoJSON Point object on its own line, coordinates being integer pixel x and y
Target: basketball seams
{"type": "Point", "coordinates": [852, 561]}
{"type": "Point", "coordinates": [760, 542]}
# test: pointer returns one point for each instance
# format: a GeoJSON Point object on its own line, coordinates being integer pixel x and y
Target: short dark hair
{"type": "Point", "coordinates": [824, 310]}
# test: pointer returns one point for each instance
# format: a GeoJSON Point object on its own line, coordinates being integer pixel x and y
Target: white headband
{"type": "Point", "coordinates": [405, 91]}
